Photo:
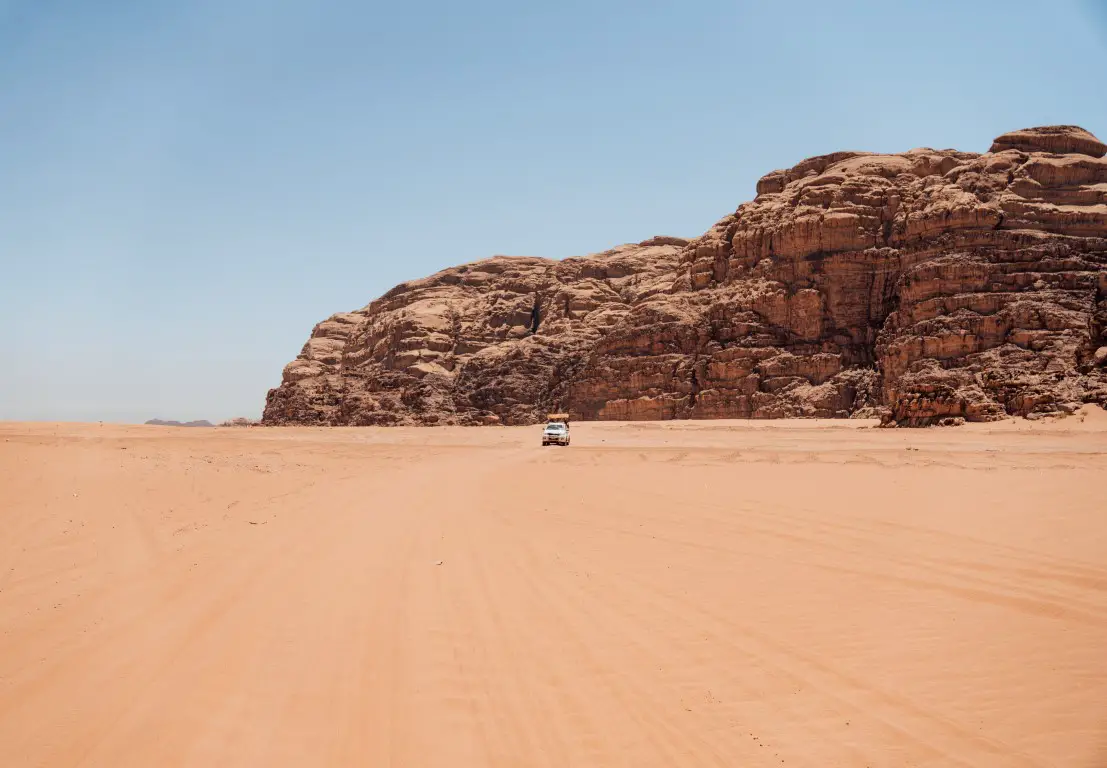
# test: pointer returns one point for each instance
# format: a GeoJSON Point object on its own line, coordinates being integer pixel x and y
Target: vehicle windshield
{"type": "Point", "coordinates": [555, 428]}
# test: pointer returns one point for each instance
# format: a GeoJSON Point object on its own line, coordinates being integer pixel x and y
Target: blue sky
{"type": "Point", "coordinates": [187, 187]}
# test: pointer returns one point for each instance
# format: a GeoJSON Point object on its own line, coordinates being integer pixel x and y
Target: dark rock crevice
{"type": "Point", "coordinates": [536, 314]}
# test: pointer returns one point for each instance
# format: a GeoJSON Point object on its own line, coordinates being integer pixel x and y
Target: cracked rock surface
{"type": "Point", "coordinates": [925, 287]}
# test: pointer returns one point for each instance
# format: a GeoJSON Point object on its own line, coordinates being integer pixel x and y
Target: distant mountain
{"type": "Point", "coordinates": [162, 423]}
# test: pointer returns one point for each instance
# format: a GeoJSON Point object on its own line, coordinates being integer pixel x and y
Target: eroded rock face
{"type": "Point", "coordinates": [494, 342]}
{"type": "Point", "coordinates": [1060, 139]}
{"type": "Point", "coordinates": [926, 286]}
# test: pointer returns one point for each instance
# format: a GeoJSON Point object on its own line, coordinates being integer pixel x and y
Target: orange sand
{"type": "Point", "coordinates": [692, 594]}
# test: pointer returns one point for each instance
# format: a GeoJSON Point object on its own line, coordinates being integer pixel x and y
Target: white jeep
{"type": "Point", "coordinates": [555, 433]}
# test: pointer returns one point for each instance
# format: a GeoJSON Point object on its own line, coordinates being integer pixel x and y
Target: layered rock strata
{"type": "Point", "coordinates": [496, 341]}
{"type": "Point", "coordinates": [926, 287]}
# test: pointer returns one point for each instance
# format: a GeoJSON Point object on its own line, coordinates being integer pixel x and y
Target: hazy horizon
{"type": "Point", "coordinates": [189, 188]}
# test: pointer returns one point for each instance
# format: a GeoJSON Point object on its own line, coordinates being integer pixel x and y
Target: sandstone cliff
{"type": "Point", "coordinates": [926, 286]}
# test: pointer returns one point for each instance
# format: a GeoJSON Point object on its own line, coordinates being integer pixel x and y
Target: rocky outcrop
{"type": "Point", "coordinates": [1057, 139]}
{"type": "Point", "coordinates": [927, 287]}
{"type": "Point", "coordinates": [497, 341]}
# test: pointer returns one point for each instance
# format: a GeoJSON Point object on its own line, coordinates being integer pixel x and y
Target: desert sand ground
{"type": "Point", "coordinates": [679, 594]}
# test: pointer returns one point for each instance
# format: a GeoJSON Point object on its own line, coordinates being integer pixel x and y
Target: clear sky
{"type": "Point", "coordinates": [186, 188]}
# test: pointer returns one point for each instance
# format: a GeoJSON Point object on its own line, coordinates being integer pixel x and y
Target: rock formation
{"type": "Point", "coordinates": [497, 341]}
{"type": "Point", "coordinates": [925, 287]}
